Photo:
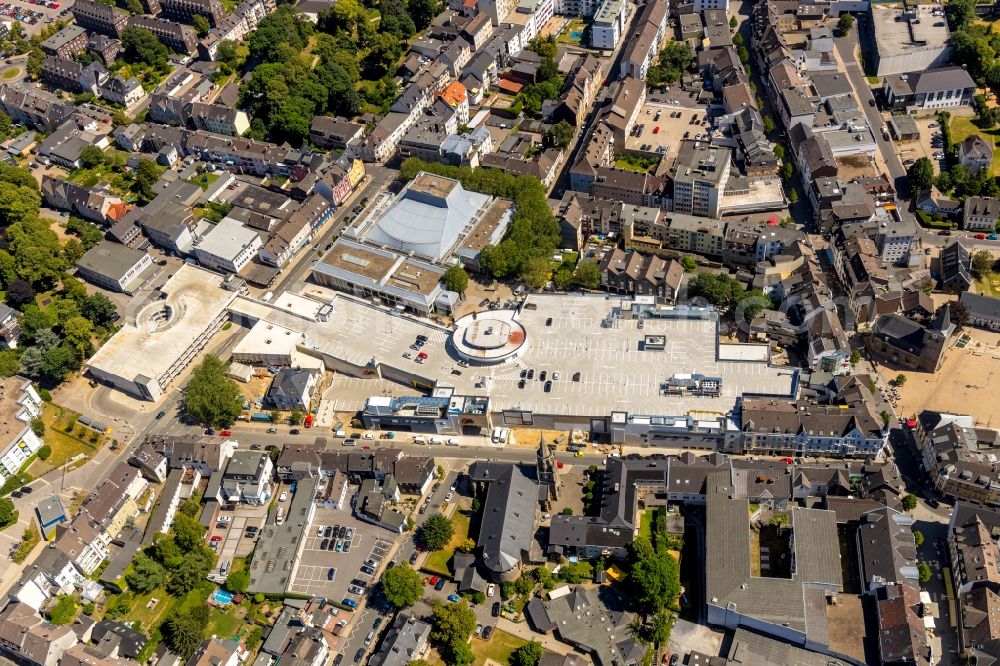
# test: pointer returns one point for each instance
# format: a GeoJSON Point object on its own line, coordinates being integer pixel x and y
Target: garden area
{"type": "Point", "coordinates": [636, 163]}
{"type": "Point", "coordinates": [499, 648]}
{"type": "Point", "coordinates": [962, 127]}
{"type": "Point", "coordinates": [438, 561]}
{"type": "Point", "coordinates": [65, 438]}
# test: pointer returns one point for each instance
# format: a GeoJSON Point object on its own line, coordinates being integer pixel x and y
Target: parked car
{"type": "Point", "coordinates": [453, 598]}
{"type": "Point", "coordinates": [329, 573]}
{"type": "Point", "coordinates": [440, 585]}
{"type": "Point", "coordinates": [160, 414]}
{"type": "Point", "coordinates": [496, 609]}
{"type": "Point", "coordinates": [487, 632]}
{"type": "Point", "coordinates": [359, 655]}
{"type": "Point", "coordinates": [368, 570]}
{"type": "Point", "coordinates": [491, 590]}
{"type": "Point", "coordinates": [282, 497]}
{"type": "Point", "coordinates": [413, 559]}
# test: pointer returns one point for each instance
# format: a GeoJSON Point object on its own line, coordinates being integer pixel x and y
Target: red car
{"type": "Point", "coordinates": [980, 236]}
{"type": "Point", "coordinates": [434, 580]}
{"type": "Point", "coordinates": [422, 355]}
{"type": "Point", "coordinates": [226, 433]}
{"type": "Point", "coordinates": [216, 538]}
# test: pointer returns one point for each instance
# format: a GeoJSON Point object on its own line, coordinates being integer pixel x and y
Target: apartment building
{"type": "Point", "coordinates": [701, 173]}
{"type": "Point", "coordinates": [184, 10]}
{"type": "Point", "coordinates": [177, 37]}
{"type": "Point", "coordinates": [20, 404]}
{"type": "Point", "coordinates": [102, 18]}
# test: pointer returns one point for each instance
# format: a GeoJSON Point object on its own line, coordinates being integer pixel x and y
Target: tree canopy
{"type": "Point", "coordinates": [527, 655]}
{"type": "Point", "coordinates": [674, 58]}
{"type": "Point", "coordinates": [452, 623]}
{"type": "Point", "coordinates": [921, 174]}
{"type": "Point", "coordinates": [456, 279]}
{"type": "Point", "coordinates": [141, 47]}
{"type": "Point", "coordinates": [436, 532]}
{"type": "Point", "coordinates": [655, 576]}
{"type": "Point", "coordinates": [402, 586]}
{"type": "Point", "coordinates": [64, 610]}
{"type": "Point", "coordinates": [211, 397]}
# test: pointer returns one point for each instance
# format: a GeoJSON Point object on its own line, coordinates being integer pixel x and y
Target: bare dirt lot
{"type": "Point", "coordinates": [962, 386]}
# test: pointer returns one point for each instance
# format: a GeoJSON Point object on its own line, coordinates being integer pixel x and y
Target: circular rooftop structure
{"type": "Point", "coordinates": [488, 337]}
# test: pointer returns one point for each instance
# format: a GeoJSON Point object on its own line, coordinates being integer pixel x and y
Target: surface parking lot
{"type": "Point", "coordinates": [671, 130]}
{"type": "Point", "coordinates": [367, 542]}
{"type": "Point", "coordinates": [232, 540]}
{"type": "Point", "coordinates": [922, 147]}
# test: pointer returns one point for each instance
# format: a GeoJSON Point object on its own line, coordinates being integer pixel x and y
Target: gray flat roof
{"type": "Point", "coordinates": [615, 371]}
{"type": "Point", "coordinates": [110, 259]}
{"type": "Point", "coordinates": [893, 36]}
{"type": "Point", "coordinates": [276, 556]}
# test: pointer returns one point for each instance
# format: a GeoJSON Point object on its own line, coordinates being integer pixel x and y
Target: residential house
{"type": "Point", "coordinates": [247, 479]}
{"type": "Point", "coordinates": [219, 119]}
{"type": "Point", "coordinates": [97, 16]}
{"type": "Point", "coordinates": [327, 132]}
{"type": "Point", "coordinates": [644, 275]}
{"type": "Point", "coordinates": [982, 311]}
{"type": "Point", "coordinates": [405, 641]}
{"type": "Point", "coordinates": [975, 154]}
{"type": "Point", "coordinates": [292, 388]}
{"type": "Point", "coordinates": [981, 214]}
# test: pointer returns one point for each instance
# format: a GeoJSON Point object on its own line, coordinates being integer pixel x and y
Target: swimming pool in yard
{"type": "Point", "coordinates": [222, 597]}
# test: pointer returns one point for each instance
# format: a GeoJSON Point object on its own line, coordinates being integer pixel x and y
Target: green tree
{"type": "Point", "coordinates": [63, 611]}
{"type": "Point", "coordinates": [779, 151]}
{"type": "Point", "coordinates": [99, 309]}
{"type": "Point", "coordinates": [91, 156]}
{"type": "Point", "coordinates": [238, 581]}
{"type": "Point", "coordinates": [88, 232]}
{"type": "Point", "coordinates": [689, 264]}
{"type": "Point", "coordinates": [899, 380]}
{"type": "Point", "coordinates": [44, 451]}
{"type": "Point", "coordinates": [909, 502]}
{"type": "Point", "coordinates": [228, 55]}
{"type": "Point", "coordinates": [402, 586]}
{"type": "Point", "coordinates": [141, 47]}
{"type": "Point", "coordinates": [436, 532]}
{"type": "Point", "coordinates": [211, 397]}
{"type": "Point", "coordinates": [845, 23]}
{"type": "Point", "coordinates": [17, 203]}
{"type": "Point", "coordinates": [188, 533]}
{"type": "Point", "coordinates": [451, 623]}
{"type": "Point", "coordinates": [587, 274]}
{"type": "Point", "coordinates": [7, 512]}
{"type": "Point", "coordinates": [918, 538]}
{"type": "Point", "coordinates": [146, 175]}
{"type": "Point", "coordinates": [921, 174]}
{"type": "Point", "coordinates": [960, 12]}
{"type": "Point", "coordinates": [295, 418]}
{"type": "Point", "coordinates": [200, 25]}
{"type": "Point", "coordinates": [423, 12]}
{"type": "Point", "coordinates": [456, 279]}
{"type": "Point", "coordinates": [982, 262]}
{"type": "Point", "coordinates": [538, 272]}
{"type": "Point", "coordinates": [923, 573]}
{"type": "Point", "coordinates": [183, 632]}
{"type": "Point", "coordinates": [655, 576]}
{"type": "Point", "coordinates": [78, 332]}
{"type": "Point", "coordinates": [793, 196]}
{"type": "Point", "coordinates": [527, 655]}
{"type": "Point", "coordinates": [855, 357]}
{"type": "Point", "coordinates": [146, 575]}
{"type": "Point", "coordinates": [560, 135]}
{"type": "Point", "coordinates": [733, 22]}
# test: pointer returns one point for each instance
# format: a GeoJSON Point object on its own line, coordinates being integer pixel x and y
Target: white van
{"type": "Point", "coordinates": [435, 440]}
{"type": "Point", "coordinates": [495, 437]}
{"type": "Point", "coordinates": [224, 569]}
{"type": "Point", "coordinates": [504, 433]}
{"type": "Point", "coordinates": [453, 442]}
{"type": "Point", "coordinates": [419, 440]}
{"type": "Point", "coordinates": [369, 638]}
{"type": "Point", "coordinates": [340, 433]}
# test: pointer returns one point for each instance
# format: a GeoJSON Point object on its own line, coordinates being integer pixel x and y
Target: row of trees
{"type": "Point", "coordinates": [534, 231]}
{"type": "Point", "coordinates": [974, 46]}
{"type": "Point", "coordinates": [955, 180]}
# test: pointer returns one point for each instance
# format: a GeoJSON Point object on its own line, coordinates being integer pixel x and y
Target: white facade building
{"type": "Point", "coordinates": [19, 405]}
{"type": "Point", "coordinates": [229, 246]}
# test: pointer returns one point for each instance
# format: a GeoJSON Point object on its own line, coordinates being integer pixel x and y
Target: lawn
{"type": "Point", "coordinates": [633, 163]}
{"type": "Point", "coordinates": [204, 180]}
{"type": "Point", "coordinates": [499, 648]}
{"type": "Point", "coordinates": [646, 524]}
{"type": "Point", "coordinates": [573, 26]}
{"type": "Point", "coordinates": [12, 73]}
{"type": "Point", "coordinates": [963, 127]}
{"type": "Point", "coordinates": [64, 445]}
{"type": "Point", "coordinates": [989, 285]}
{"type": "Point", "coordinates": [437, 562]}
